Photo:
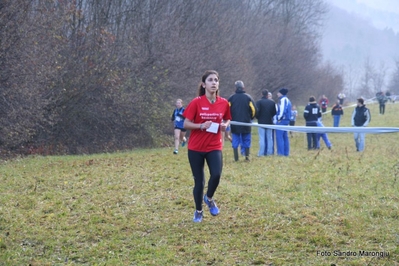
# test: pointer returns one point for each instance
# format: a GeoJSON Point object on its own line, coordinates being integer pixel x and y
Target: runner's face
{"type": "Point", "coordinates": [179, 104]}
{"type": "Point", "coordinates": [211, 83]}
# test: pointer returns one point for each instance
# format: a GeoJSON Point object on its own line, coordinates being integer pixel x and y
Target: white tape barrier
{"type": "Point", "coordinates": [353, 105]}
{"type": "Point", "coordinates": [368, 101]}
{"type": "Point", "coordinates": [303, 129]}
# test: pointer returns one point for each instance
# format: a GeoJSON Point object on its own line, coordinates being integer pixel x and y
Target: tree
{"type": "Point", "coordinates": [394, 81]}
{"type": "Point", "coordinates": [20, 104]}
{"type": "Point", "coordinates": [379, 78]}
{"type": "Point", "coordinates": [90, 76]}
{"type": "Point", "coordinates": [351, 76]}
{"type": "Point", "coordinates": [366, 87]}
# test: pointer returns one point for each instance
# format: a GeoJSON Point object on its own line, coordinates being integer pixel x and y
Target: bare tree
{"type": "Point", "coordinates": [394, 80]}
{"type": "Point", "coordinates": [351, 76]}
{"type": "Point", "coordinates": [20, 104]}
{"type": "Point", "coordinates": [89, 76]}
{"type": "Point", "coordinates": [379, 78]}
{"type": "Point", "coordinates": [366, 86]}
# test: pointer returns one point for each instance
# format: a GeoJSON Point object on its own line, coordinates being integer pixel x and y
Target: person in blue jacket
{"type": "Point", "coordinates": [180, 131]}
{"type": "Point", "coordinates": [283, 117]}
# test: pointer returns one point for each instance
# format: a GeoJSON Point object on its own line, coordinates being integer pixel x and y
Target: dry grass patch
{"type": "Point", "coordinates": [135, 208]}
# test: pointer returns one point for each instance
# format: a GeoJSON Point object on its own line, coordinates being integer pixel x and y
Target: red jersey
{"type": "Point", "coordinates": [200, 110]}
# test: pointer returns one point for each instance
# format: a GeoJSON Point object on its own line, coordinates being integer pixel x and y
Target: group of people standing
{"type": "Point", "coordinates": [313, 116]}
{"type": "Point", "coordinates": [245, 109]}
{"type": "Point", "coordinates": [336, 109]}
{"type": "Point", "coordinates": [208, 117]}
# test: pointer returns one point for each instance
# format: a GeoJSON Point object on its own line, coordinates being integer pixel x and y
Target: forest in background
{"type": "Point", "coordinates": [352, 43]}
{"type": "Point", "coordinates": [89, 76]}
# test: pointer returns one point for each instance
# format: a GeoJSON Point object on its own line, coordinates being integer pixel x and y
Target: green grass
{"type": "Point", "coordinates": [135, 208]}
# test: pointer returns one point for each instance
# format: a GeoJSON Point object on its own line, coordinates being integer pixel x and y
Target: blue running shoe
{"type": "Point", "coordinates": [198, 216]}
{"type": "Point", "coordinates": [183, 143]}
{"type": "Point", "coordinates": [213, 209]}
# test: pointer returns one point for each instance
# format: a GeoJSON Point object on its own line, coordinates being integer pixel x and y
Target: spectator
{"type": "Point", "coordinates": [206, 116]}
{"type": "Point", "coordinates": [283, 119]}
{"type": "Point", "coordinates": [323, 103]}
{"type": "Point", "coordinates": [388, 94]}
{"type": "Point", "coordinates": [243, 109]}
{"type": "Point", "coordinates": [337, 112]}
{"type": "Point", "coordinates": [266, 109]}
{"type": "Point", "coordinates": [341, 97]}
{"type": "Point", "coordinates": [360, 118]}
{"type": "Point", "coordinates": [294, 115]}
{"type": "Point", "coordinates": [312, 114]}
{"type": "Point", "coordinates": [382, 99]}
{"type": "Point", "coordinates": [270, 97]}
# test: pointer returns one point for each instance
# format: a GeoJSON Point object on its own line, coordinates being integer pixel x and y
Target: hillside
{"type": "Point", "coordinates": [349, 39]}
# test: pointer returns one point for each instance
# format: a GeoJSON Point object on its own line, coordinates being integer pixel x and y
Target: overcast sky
{"type": "Point", "coordinates": [385, 5]}
{"type": "Point", "coordinates": [367, 9]}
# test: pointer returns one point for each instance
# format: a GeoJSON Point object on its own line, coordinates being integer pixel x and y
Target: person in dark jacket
{"type": "Point", "coordinates": [360, 118]}
{"type": "Point", "coordinates": [323, 103]}
{"type": "Point", "coordinates": [266, 109]}
{"type": "Point", "coordinates": [388, 94]}
{"type": "Point", "coordinates": [382, 99]}
{"type": "Point", "coordinates": [311, 114]}
{"type": "Point", "coordinates": [337, 112]}
{"type": "Point", "coordinates": [243, 109]}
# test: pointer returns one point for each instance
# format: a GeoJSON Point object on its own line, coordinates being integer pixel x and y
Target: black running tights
{"type": "Point", "coordinates": [214, 161]}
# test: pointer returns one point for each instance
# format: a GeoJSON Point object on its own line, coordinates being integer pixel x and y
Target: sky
{"type": "Point", "coordinates": [384, 5]}
{"type": "Point", "coordinates": [382, 13]}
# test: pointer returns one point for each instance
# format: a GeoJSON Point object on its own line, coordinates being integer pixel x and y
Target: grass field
{"type": "Point", "coordinates": [326, 207]}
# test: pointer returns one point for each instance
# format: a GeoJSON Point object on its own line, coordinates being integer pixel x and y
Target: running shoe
{"type": "Point", "coordinates": [213, 209]}
{"type": "Point", "coordinates": [175, 152]}
{"type": "Point", "coordinates": [198, 216]}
